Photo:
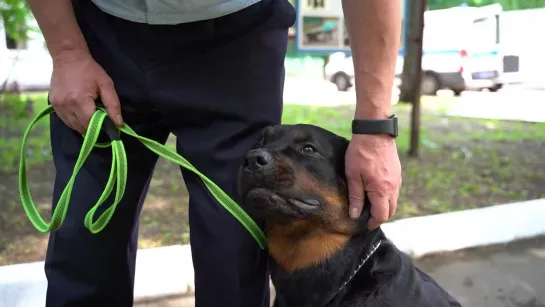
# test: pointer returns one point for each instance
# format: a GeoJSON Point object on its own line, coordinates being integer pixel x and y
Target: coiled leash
{"type": "Point", "coordinates": [118, 178]}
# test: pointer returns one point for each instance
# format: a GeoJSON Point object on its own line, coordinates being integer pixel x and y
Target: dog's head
{"type": "Point", "coordinates": [294, 180]}
{"type": "Point", "coordinates": [296, 173]}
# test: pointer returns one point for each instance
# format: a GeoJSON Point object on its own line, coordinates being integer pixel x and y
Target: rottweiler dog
{"type": "Point", "coordinates": [293, 180]}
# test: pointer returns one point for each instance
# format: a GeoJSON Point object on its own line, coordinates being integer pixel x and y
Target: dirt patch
{"type": "Point", "coordinates": [163, 219]}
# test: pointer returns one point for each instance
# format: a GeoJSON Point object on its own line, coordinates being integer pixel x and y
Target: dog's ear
{"type": "Point", "coordinates": [340, 153]}
{"type": "Point", "coordinates": [363, 221]}
{"type": "Point", "coordinates": [341, 148]}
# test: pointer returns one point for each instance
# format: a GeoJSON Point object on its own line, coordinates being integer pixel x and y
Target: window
{"type": "Point", "coordinates": [485, 31]}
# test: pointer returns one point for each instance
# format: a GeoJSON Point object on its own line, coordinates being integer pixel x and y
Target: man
{"type": "Point", "coordinates": [211, 72]}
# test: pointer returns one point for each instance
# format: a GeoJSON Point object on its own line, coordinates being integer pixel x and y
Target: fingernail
{"type": "Point", "coordinates": [119, 119]}
{"type": "Point", "coordinates": [354, 213]}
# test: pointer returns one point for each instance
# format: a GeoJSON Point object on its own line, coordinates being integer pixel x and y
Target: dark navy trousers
{"type": "Point", "coordinates": [215, 85]}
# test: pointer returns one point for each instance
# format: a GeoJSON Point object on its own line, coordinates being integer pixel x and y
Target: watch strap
{"type": "Point", "coordinates": [376, 126]}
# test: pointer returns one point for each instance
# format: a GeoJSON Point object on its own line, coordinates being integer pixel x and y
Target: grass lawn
{"type": "Point", "coordinates": [464, 163]}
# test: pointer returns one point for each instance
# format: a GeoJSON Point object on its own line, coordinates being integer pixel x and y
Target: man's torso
{"type": "Point", "coordinates": [171, 11]}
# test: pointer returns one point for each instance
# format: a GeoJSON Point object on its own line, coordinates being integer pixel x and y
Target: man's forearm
{"type": "Point", "coordinates": [58, 25]}
{"type": "Point", "coordinates": [374, 28]}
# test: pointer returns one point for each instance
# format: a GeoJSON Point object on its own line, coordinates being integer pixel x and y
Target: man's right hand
{"type": "Point", "coordinates": [77, 81]}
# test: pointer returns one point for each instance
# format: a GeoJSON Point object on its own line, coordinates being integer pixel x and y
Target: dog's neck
{"type": "Point", "coordinates": [301, 245]}
{"type": "Point", "coordinates": [304, 243]}
{"type": "Point", "coordinates": [318, 273]}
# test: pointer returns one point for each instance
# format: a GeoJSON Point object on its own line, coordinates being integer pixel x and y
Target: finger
{"type": "Point", "coordinates": [61, 115]}
{"type": "Point", "coordinates": [355, 195]}
{"type": "Point", "coordinates": [109, 98]}
{"type": "Point", "coordinates": [70, 119]}
{"type": "Point", "coordinates": [74, 123]}
{"type": "Point", "coordinates": [85, 111]}
{"type": "Point", "coordinates": [66, 120]}
{"type": "Point", "coordinates": [66, 110]}
{"type": "Point", "coordinates": [393, 206]}
{"type": "Point", "coordinates": [380, 209]}
{"type": "Point", "coordinates": [62, 112]}
{"type": "Point", "coordinates": [394, 201]}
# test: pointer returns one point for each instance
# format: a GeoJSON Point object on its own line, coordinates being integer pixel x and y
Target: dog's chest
{"type": "Point", "coordinates": [307, 288]}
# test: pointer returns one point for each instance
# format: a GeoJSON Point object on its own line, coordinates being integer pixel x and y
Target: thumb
{"type": "Point", "coordinates": [380, 209]}
{"type": "Point", "coordinates": [355, 195]}
{"type": "Point", "coordinates": [110, 100]}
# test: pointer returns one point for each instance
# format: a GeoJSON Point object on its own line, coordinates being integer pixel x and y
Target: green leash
{"type": "Point", "coordinates": [118, 178]}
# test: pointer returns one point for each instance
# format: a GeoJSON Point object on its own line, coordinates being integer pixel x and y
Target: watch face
{"type": "Point", "coordinates": [394, 120]}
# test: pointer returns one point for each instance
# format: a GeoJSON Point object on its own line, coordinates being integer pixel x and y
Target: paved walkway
{"type": "Point", "coordinates": [319, 92]}
{"type": "Point", "coordinates": [509, 104]}
{"type": "Point", "coordinates": [512, 103]}
{"type": "Point", "coordinates": [510, 275]}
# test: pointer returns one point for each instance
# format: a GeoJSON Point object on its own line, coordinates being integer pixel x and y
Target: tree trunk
{"type": "Point", "coordinates": [413, 77]}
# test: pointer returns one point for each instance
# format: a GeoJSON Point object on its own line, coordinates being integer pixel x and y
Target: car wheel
{"type": "Point", "coordinates": [495, 88]}
{"type": "Point", "coordinates": [457, 92]}
{"type": "Point", "coordinates": [429, 85]}
{"type": "Point", "coordinates": [342, 82]}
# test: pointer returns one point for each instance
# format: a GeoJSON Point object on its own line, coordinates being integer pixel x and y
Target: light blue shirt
{"type": "Point", "coordinates": [171, 11]}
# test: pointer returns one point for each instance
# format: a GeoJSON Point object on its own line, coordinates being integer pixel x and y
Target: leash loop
{"type": "Point", "coordinates": [118, 178]}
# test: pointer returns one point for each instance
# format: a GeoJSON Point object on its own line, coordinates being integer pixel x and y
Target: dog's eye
{"type": "Point", "coordinates": [309, 149]}
{"type": "Point", "coordinates": [257, 145]}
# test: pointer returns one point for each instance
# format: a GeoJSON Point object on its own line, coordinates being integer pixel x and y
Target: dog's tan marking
{"type": "Point", "coordinates": [269, 132]}
{"type": "Point", "coordinates": [283, 173]}
{"type": "Point", "coordinates": [301, 136]}
{"type": "Point", "coordinates": [335, 215]}
{"type": "Point", "coordinates": [305, 243]}
{"type": "Point", "coordinates": [302, 244]}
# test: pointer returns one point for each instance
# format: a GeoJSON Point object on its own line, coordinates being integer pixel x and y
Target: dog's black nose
{"type": "Point", "coordinates": [258, 158]}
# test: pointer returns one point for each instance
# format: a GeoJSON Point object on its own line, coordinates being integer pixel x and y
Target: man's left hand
{"type": "Point", "coordinates": [373, 166]}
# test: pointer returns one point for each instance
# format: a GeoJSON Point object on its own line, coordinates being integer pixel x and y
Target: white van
{"type": "Point", "coordinates": [461, 49]}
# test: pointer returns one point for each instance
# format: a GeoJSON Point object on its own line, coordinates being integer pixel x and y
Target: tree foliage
{"type": "Point", "coordinates": [15, 14]}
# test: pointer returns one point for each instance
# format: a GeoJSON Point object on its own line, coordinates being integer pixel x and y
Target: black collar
{"type": "Point", "coordinates": [363, 259]}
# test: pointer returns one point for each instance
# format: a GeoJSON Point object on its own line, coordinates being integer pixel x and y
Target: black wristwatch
{"type": "Point", "coordinates": [376, 126]}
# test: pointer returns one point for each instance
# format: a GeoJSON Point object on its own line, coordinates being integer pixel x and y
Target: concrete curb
{"type": "Point", "coordinates": [160, 272]}
{"type": "Point", "coordinates": [468, 228]}
{"type": "Point", "coordinates": [168, 271]}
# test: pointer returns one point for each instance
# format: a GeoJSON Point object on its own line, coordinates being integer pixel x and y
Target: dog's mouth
{"type": "Point", "coordinates": [307, 204]}
{"type": "Point", "coordinates": [273, 200]}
